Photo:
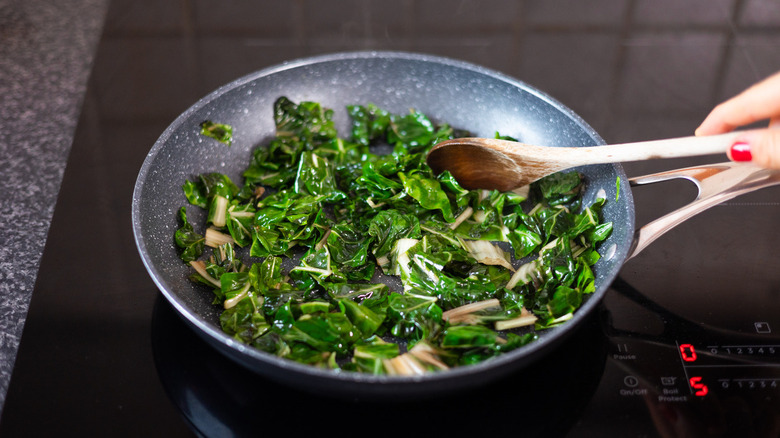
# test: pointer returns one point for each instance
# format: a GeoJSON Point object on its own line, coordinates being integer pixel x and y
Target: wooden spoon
{"type": "Point", "coordinates": [484, 163]}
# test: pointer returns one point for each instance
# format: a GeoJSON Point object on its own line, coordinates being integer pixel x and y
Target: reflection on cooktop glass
{"type": "Point", "coordinates": [216, 394]}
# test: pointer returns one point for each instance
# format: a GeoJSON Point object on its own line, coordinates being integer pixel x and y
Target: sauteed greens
{"type": "Point", "coordinates": [347, 213]}
{"type": "Point", "coordinates": [218, 131]}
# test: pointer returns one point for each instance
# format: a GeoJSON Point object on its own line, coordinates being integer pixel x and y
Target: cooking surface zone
{"type": "Point", "coordinates": [685, 343]}
{"type": "Point", "coordinates": [635, 378]}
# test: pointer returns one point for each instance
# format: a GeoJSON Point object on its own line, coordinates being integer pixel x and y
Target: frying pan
{"type": "Point", "coordinates": [461, 94]}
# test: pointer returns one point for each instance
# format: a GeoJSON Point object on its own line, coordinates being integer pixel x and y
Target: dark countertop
{"type": "Point", "coordinates": [633, 69]}
{"type": "Point", "coordinates": [46, 53]}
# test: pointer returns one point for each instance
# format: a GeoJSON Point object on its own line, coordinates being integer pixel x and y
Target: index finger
{"type": "Point", "coordinates": [759, 102]}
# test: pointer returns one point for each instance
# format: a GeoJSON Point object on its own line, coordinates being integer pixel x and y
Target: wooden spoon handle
{"type": "Point", "coordinates": [647, 150]}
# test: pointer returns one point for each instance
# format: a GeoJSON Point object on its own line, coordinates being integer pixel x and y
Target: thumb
{"type": "Point", "coordinates": [762, 147]}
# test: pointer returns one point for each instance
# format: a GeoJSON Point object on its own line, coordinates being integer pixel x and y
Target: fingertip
{"type": "Point", "coordinates": [761, 147]}
{"type": "Point", "coordinates": [740, 151]}
{"type": "Point", "coordinates": [701, 129]}
{"type": "Point", "coordinates": [712, 124]}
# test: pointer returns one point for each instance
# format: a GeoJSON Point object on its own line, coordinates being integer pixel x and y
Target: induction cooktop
{"type": "Point", "coordinates": [659, 373]}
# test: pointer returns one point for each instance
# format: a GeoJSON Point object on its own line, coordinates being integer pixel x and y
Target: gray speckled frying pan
{"type": "Point", "coordinates": [464, 95]}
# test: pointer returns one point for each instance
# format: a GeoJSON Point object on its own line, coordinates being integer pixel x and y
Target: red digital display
{"type": "Point", "coordinates": [687, 352]}
{"type": "Point", "coordinates": [700, 389]}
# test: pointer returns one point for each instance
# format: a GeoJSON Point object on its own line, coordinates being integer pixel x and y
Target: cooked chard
{"type": "Point", "coordinates": [218, 131]}
{"type": "Point", "coordinates": [346, 213]}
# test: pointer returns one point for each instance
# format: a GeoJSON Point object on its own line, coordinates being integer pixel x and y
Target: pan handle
{"type": "Point", "coordinates": [717, 183]}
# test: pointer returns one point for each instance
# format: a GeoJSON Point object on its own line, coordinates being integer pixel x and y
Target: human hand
{"type": "Point", "coordinates": [759, 102]}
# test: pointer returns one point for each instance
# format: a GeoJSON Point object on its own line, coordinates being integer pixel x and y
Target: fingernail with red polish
{"type": "Point", "coordinates": [740, 151]}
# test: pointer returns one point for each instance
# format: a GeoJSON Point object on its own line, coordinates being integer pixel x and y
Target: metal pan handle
{"type": "Point", "coordinates": [717, 183]}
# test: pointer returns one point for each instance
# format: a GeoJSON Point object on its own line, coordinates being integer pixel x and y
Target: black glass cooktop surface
{"type": "Point", "coordinates": [685, 342]}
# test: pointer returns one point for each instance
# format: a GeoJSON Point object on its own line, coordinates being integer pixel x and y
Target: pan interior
{"type": "Point", "coordinates": [464, 95]}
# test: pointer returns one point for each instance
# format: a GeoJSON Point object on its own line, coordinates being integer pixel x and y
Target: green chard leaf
{"type": "Point", "coordinates": [362, 317]}
{"type": "Point", "coordinates": [427, 191]}
{"type": "Point", "coordinates": [331, 332]}
{"type": "Point", "coordinates": [370, 353]}
{"type": "Point", "coordinates": [369, 123]}
{"type": "Point", "coordinates": [386, 228]}
{"type": "Point", "coordinates": [245, 321]}
{"type": "Point", "coordinates": [316, 177]}
{"type": "Point", "coordinates": [218, 131]}
{"type": "Point", "coordinates": [240, 220]}
{"type": "Point", "coordinates": [559, 188]}
{"type": "Point", "coordinates": [411, 132]}
{"type": "Point", "coordinates": [307, 122]}
{"type": "Point", "coordinates": [469, 336]}
{"type": "Point", "coordinates": [188, 240]}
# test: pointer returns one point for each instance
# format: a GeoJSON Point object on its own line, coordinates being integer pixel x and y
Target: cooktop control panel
{"type": "Point", "coordinates": [693, 377]}
{"type": "Point", "coordinates": [689, 369]}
